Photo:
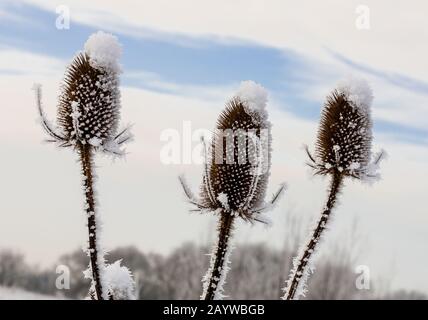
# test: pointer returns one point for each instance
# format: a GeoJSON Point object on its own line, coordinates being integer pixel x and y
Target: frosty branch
{"type": "Point", "coordinates": [215, 278]}
{"type": "Point", "coordinates": [94, 251]}
{"type": "Point", "coordinates": [302, 268]}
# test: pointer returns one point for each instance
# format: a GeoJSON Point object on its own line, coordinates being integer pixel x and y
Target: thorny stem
{"type": "Point", "coordinates": [217, 269]}
{"type": "Point", "coordinates": [299, 272]}
{"type": "Point", "coordinates": [88, 184]}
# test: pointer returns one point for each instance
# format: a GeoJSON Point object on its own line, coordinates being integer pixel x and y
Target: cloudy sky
{"type": "Point", "coordinates": [181, 61]}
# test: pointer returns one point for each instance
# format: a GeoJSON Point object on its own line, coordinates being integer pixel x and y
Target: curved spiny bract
{"type": "Point", "coordinates": [238, 169]}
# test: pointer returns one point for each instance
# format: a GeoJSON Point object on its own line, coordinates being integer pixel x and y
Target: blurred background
{"type": "Point", "coordinates": [181, 62]}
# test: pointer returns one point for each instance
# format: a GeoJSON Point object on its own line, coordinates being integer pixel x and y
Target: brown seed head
{"type": "Point", "coordinates": [238, 171]}
{"type": "Point", "coordinates": [345, 133]}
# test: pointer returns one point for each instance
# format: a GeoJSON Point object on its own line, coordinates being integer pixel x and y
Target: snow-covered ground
{"type": "Point", "coordinates": [20, 294]}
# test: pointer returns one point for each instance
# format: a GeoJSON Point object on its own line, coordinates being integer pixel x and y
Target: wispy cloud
{"type": "Point", "coordinates": [296, 83]}
{"type": "Point", "coordinates": [396, 79]}
{"type": "Point", "coordinates": [276, 23]}
{"type": "Point", "coordinates": [28, 63]}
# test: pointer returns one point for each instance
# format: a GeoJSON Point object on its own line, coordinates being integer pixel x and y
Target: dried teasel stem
{"type": "Point", "coordinates": [302, 264]}
{"type": "Point", "coordinates": [95, 256]}
{"type": "Point", "coordinates": [216, 275]}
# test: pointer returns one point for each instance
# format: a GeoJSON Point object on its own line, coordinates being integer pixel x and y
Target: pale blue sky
{"type": "Point", "coordinates": [207, 61]}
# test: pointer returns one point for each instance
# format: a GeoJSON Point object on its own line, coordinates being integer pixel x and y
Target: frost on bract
{"type": "Point", "coordinates": [104, 51]}
{"type": "Point", "coordinates": [237, 168]}
{"type": "Point", "coordinates": [254, 99]}
{"type": "Point", "coordinates": [119, 281]}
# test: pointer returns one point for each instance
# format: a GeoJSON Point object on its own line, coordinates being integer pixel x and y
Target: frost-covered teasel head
{"type": "Point", "coordinates": [238, 166]}
{"type": "Point", "coordinates": [344, 139]}
{"type": "Point", "coordinates": [232, 181]}
{"type": "Point", "coordinates": [89, 102]}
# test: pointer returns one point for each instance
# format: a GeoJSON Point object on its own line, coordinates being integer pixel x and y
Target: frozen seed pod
{"type": "Point", "coordinates": [345, 132]}
{"type": "Point", "coordinates": [89, 102]}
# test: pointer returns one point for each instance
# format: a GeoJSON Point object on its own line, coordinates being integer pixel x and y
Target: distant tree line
{"type": "Point", "coordinates": [258, 273]}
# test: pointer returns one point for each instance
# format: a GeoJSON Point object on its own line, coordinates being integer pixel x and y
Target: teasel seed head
{"type": "Point", "coordinates": [89, 101]}
{"type": "Point", "coordinates": [237, 164]}
{"type": "Point", "coordinates": [344, 139]}
{"type": "Point", "coordinates": [237, 171]}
